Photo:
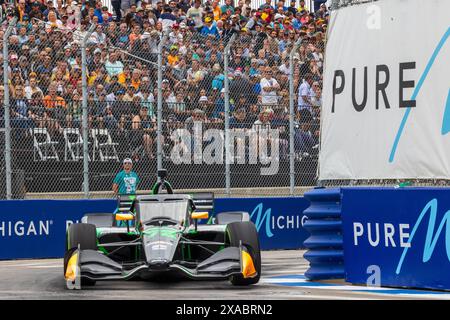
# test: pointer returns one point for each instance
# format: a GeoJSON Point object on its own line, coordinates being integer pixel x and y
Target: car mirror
{"type": "Point", "coordinates": [200, 215]}
{"type": "Point", "coordinates": [124, 216]}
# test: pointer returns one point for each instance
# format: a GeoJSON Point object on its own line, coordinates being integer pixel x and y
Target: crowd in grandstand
{"type": "Point", "coordinates": [45, 67]}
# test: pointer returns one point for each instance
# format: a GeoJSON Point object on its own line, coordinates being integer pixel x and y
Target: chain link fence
{"type": "Point", "coordinates": [337, 4]}
{"type": "Point", "coordinates": [83, 99]}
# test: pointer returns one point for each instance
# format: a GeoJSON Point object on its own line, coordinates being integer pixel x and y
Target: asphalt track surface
{"type": "Point", "coordinates": [282, 278]}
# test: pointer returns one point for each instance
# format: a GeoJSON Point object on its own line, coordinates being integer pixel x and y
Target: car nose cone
{"type": "Point", "coordinates": [159, 264]}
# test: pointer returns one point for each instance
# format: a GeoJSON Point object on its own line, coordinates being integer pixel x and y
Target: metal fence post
{"type": "Point", "coordinates": [7, 109]}
{"type": "Point", "coordinates": [85, 112]}
{"type": "Point", "coordinates": [292, 117]}
{"type": "Point", "coordinates": [159, 153]}
{"type": "Point", "coordinates": [227, 115]}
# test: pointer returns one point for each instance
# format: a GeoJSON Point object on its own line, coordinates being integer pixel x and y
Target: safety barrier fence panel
{"type": "Point", "coordinates": [396, 237]}
{"type": "Point", "coordinates": [79, 99]}
{"type": "Point", "coordinates": [325, 243]}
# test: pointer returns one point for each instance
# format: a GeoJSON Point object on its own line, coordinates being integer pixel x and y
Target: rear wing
{"type": "Point", "coordinates": [203, 201]}
{"type": "Point", "coordinates": [125, 202]}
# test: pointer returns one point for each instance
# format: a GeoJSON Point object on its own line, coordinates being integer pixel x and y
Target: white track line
{"type": "Point", "coordinates": [27, 265]}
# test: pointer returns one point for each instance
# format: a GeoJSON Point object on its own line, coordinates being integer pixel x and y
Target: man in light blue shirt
{"type": "Point", "coordinates": [113, 66]}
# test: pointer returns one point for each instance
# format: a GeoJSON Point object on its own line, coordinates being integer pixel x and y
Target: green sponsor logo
{"type": "Point", "coordinates": [163, 232]}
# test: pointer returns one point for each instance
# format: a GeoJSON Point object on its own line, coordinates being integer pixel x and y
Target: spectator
{"type": "Point", "coordinates": [167, 18]}
{"type": "Point", "coordinates": [304, 94]}
{"type": "Point", "coordinates": [173, 58]}
{"type": "Point", "coordinates": [240, 86]}
{"type": "Point", "coordinates": [304, 139]}
{"type": "Point", "coordinates": [53, 21]}
{"type": "Point", "coordinates": [195, 15]}
{"type": "Point", "coordinates": [98, 36]}
{"type": "Point", "coordinates": [32, 87]}
{"type": "Point", "coordinates": [219, 78]}
{"type": "Point", "coordinates": [113, 66]}
{"type": "Point", "coordinates": [126, 181]}
{"type": "Point", "coordinates": [227, 8]}
{"type": "Point", "coordinates": [74, 111]}
{"type": "Point", "coordinates": [53, 100]}
{"type": "Point", "coordinates": [144, 132]}
{"type": "Point", "coordinates": [269, 88]}
{"type": "Point", "coordinates": [210, 30]}
{"type": "Point", "coordinates": [217, 12]}
{"type": "Point", "coordinates": [239, 120]}
{"type": "Point", "coordinates": [21, 115]}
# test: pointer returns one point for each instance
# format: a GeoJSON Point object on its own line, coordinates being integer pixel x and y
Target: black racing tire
{"type": "Point", "coordinates": [246, 233]}
{"type": "Point", "coordinates": [85, 235]}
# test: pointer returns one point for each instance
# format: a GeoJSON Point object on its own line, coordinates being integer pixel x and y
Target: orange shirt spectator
{"type": "Point", "coordinates": [217, 11]}
{"type": "Point", "coordinates": [52, 100]}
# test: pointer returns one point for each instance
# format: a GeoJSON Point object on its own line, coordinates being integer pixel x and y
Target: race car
{"type": "Point", "coordinates": [158, 236]}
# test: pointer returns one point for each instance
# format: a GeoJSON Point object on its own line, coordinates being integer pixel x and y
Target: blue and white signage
{"type": "Point", "coordinates": [386, 112]}
{"type": "Point", "coordinates": [397, 237]}
{"type": "Point", "coordinates": [279, 221]}
{"type": "Point", "coordinates": [37, 228]}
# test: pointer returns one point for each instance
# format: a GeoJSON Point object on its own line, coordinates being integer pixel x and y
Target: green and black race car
{"type": "Point", "coordinates": [158, 236]}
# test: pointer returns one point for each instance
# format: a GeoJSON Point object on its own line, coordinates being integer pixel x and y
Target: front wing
{"type": "Point", "coordinates": [95, 266]}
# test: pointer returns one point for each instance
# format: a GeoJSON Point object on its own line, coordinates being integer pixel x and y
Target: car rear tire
{"type": "Point", "coordinates": [85, 235]}
{"type": "Point", "coordinates": [246, 233]}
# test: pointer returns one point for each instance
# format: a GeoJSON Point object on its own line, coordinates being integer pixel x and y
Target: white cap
{"type": "Point", "coordinates": [203, 98]}
{"type": "Point", "coordinates": [127, 160]}
{"type": "Point", "coordinates": [277, 16]}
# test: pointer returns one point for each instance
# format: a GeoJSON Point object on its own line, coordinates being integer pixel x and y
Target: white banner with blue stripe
{"type": "Point", "coordinates": [386, 110]}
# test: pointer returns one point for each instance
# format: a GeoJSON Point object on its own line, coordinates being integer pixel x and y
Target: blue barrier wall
{"type": "Point", "coordinates": [36, 228]}
{"type": "Point", "coordinates": [397, 237]}
{"type": "Point", "coordinates": [325, 245]}
{"type": "Point", "coordinates": [278, 220]}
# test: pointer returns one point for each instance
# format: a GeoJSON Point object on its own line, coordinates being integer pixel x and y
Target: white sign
{"type": "Point", "coordinates": [386, 110]}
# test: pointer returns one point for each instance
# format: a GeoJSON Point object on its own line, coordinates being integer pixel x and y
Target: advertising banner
{"type": "Point", "coordinates": [279, 221]}
{"type": "Point", "coordinates": [397, 237]}
{"type": "Point", "coordinates": [37, 228]}
{"type": "Point", "coordinates": [386, 98]}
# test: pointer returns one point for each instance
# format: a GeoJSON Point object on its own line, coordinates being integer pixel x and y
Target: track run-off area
{"type": "Point", "coordinates": [282, 278]}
